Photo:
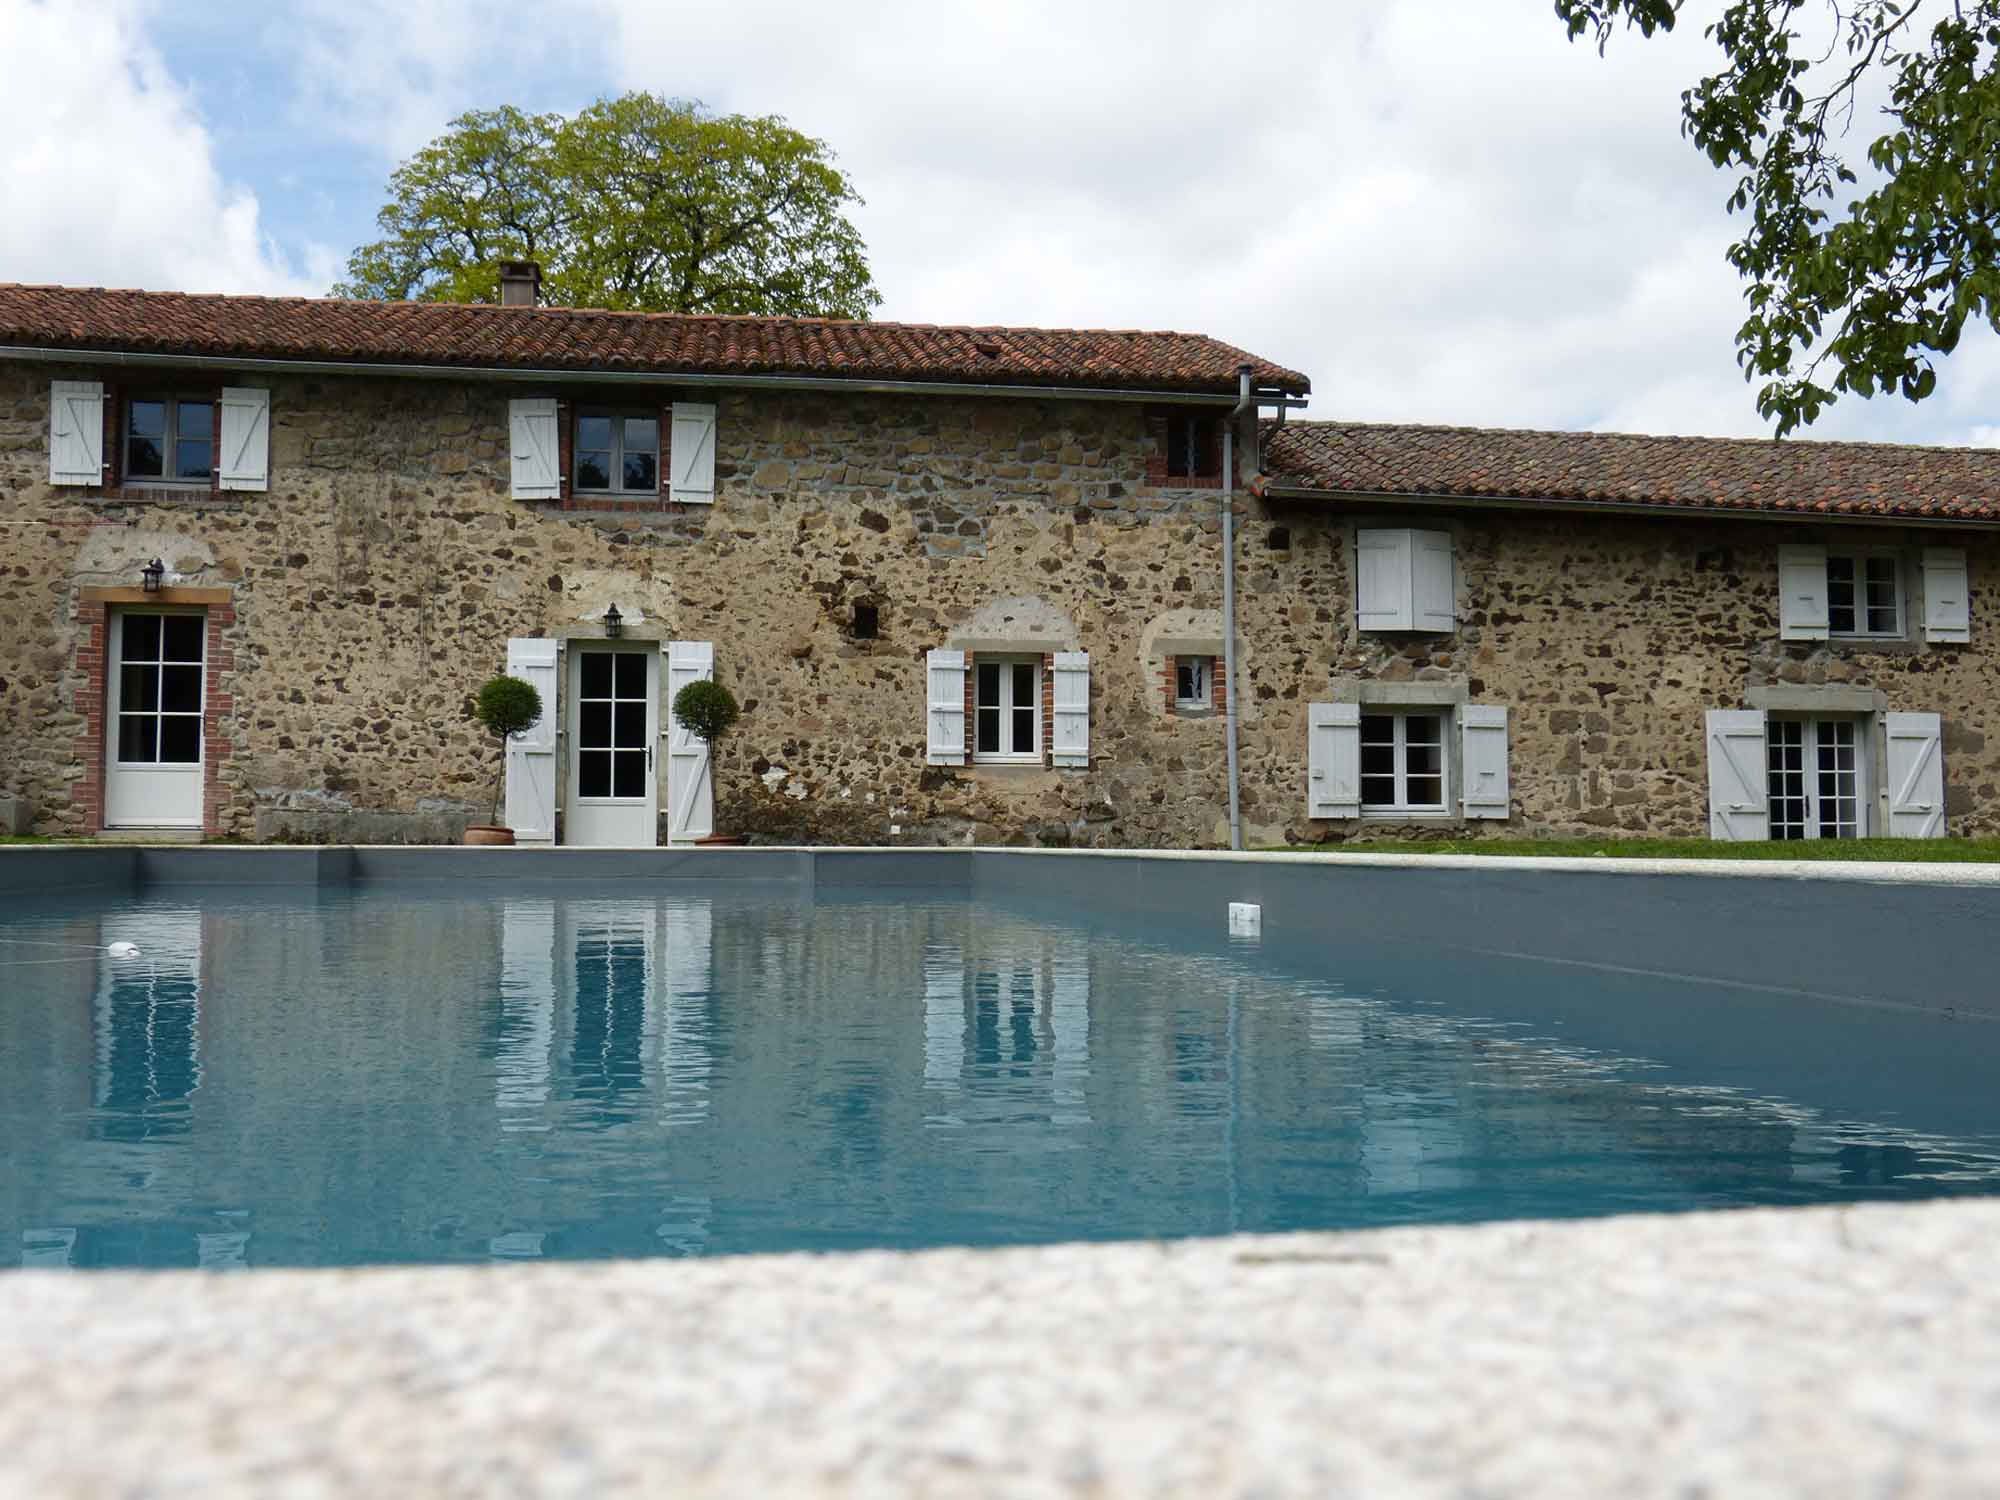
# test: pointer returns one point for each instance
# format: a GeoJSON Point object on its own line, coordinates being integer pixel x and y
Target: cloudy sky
{"type": "Point", "coordinates": [1439, 209]}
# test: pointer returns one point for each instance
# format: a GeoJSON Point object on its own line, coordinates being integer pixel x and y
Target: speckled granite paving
{"type": "Point", "coordinates": [1815, 1352]}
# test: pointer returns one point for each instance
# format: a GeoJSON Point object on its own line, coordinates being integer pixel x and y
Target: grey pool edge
{"type": "Point", "coordinates": [1792, 1351]}
{"type": "Point", "coordinates": [1903, 936]}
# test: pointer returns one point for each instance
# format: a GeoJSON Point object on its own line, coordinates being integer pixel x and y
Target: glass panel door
{"type": "Point", "coordinates": [154, 694]}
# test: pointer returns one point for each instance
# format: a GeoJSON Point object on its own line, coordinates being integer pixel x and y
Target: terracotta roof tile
{"type": "Point", "coordinates": [448, 334]}
{"type": "Point", "coordinates": [1747, 474]}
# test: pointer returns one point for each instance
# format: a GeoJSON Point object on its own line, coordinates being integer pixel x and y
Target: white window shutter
{"type": "Point", "coordinates": [1333, 760]}
{"type": "Point", "coordinates": [537, 453]}
{"type": "Point", "coordinates": [1947, 596]}
{"type": "Point", "coordinates": [1739, 801]}
{"type": "Point", "coordinates": [690, 786]}
{"type": "Point", "coordinates": [531, 754]}
{"type": "Point", "coordinates": [944, 734]}
{"type": "Point", "coordinates": [1915, 775]}
{"type": "Point", "coordinates": [246, 438]}
{"type": "Point", "coordinates": [1802, 593]}
{"type": "Point", "coordinates": [1382, 581]}
{"type": "Point", "coordinates": [1434, 599]}
{"type": "Point", "coordinates": [694, 453]}
{"type": "Point", "coordinates": [1483, 762]}
{"type": "Point", "coordinates": [76, 432]}
{"type": "Point", "coordinates": [1071, 745]}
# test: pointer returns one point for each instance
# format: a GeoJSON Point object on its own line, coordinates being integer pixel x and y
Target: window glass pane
{"type": "Point", "coordinates": [987, 686]}
{"type": "Point", "coordinates": [136, 737]}
{"type": "Point", "coordinates": [1425, 729]}
{"type": "Point", "coordinates": [593, 471]}
{"type": "Point", "coordinates": [1024, 731]}
{"type": "Point", "coordinates": [630, 769]}
{"type": "Point", "coordinates": [142, 458]}
{"type": "Point", "coordinates": [1882, 573]}
{"type": "Point", "coordinates": [596, 679]}
{"type": "Point", "coordinates": [193, 458]}
{"type": "Point", "coordinates": [1378, 760]}
{"type": "Point", "coordinates": [1378, 791]}
{"type": "Point", "coordinates": [631, 674]}
{"type": "Point", "coordinates": [1426, 791]}
{"type": "Point", "coordinates": [629, 727]}
{"type": "Point", "coordinates": [593, 773]}
{"type": "Point", "coordinates": [180, 739]}
{"type": "Point", "coordinates": [180, 690]}
{"type": "Point", "coordinates": [988, 727]}
{"type": "Point", "coordinates": [1378, 729]}
{"type": "Point", "coordinates": [146, 419]}
{"type": "Point", "coordinates": [642, 435]}
{"type": "Point", "coordinates": [138, 689]}
{"type": "Point", "coordinates": [142, 638]}
{"type": "Point", "coordinates": [593, 726]}
{"type": "Point", "coordinates": [593, 432]}
{"type": "Point", "coordinates": [642, 471]}
{"type": "Point", "coordinates": [1024, 683]}
{"type": "Point", "coordinates": [194, 419]}
{"type": "Point", "coordinates": [182, 637]}
{"type": "Point", "coordinates": [1426, 760]}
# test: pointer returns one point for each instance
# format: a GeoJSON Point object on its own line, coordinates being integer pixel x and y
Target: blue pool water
{"type": "Point", "coordinates": [341, 1077]}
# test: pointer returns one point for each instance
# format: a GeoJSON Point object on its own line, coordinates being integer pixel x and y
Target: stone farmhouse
{"type": "Point", "coordinates": [969, 584]}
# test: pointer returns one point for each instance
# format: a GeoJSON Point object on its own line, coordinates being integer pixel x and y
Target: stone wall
{"type": "Point", "coordinates": [377, 582]}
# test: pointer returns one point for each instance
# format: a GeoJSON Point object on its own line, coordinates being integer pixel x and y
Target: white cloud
{"type": "Point", "coordinates": [108, 174]}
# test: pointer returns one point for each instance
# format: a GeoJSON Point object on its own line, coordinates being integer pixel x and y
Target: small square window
{"type": "Point", "coordinates": [1193, 449]}
{"type": "Point", "coordinates": [1864, 595]}
{"type": "Point", "coordinates": [1194, 682]}
{"type": "Point", "coordinates": [616, 453]}
{"type": "Point", "coordinates": [169, 441]}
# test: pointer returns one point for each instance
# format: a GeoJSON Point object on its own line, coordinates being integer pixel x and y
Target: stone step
{"type": "Point", "coordinates": [149, 836]}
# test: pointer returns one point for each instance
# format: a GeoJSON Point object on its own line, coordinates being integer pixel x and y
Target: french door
{"type": "Point", "coordinates": [155, 691]}
{"type": "Point", "coordinates": [614, 714]}
{"type": "Point", "coordinates": [1818, 778]}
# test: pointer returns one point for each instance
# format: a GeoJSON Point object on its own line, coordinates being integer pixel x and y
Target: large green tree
{"type": "Point", "coordinates": [1862, 268]}
{"type": "Point", "coordinates": [637, 202]}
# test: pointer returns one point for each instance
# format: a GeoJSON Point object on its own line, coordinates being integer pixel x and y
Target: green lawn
{"type": "Point", "coordinates": [1956, 851]}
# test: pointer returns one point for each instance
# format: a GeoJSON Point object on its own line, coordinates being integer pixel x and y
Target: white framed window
{"type": "Point", "coordinates": [616, 452]}
{"type": "Point", "coordinates": [1818, 778]}
{"type": "Point", "coordinates": [1403, 761]}
{"type": "Point", "coordinates": [1194, 683]}
{"type": "Point", "coordinates": [1007, 708]}
{"type": "Point", "coordinates": [170, 440]}
{"type": "Point", "coordinates": [1864, 594]}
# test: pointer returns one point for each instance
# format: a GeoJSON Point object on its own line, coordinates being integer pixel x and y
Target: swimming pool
{"type": "Point", "coordinates": [439, 1072]}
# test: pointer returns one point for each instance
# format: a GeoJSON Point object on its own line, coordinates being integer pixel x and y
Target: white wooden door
{"type": "Point", "coordinates": [690, 787]}
{"type": "Point", "coordinates": [614, 710]}
{"type": "Point", "coordinates": [154, 690]}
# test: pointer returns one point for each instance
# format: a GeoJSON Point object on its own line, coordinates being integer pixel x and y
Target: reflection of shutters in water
{"type": "Point", "coordinates": [147, 1022]}
{"type": "Point", "coordinates": [613, 956]}
{"type": "Point", "coordinates": [524, 1027]}
{"type": "Point", "coordinates": [1020, 1050]}
{"type": "Point", "coordinates": [685, 1056]}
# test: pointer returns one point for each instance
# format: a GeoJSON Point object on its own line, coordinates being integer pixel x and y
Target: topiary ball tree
{"type": "Point", "coordinates": [705, 710]}
{"type": "Point", "coordinates": [506, 706]}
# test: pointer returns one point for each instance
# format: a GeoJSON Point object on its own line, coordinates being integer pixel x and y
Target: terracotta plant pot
{"type": "Point", "coordinates": [719, 840]}
{"type": "Point", "coordinates": [486, 833]}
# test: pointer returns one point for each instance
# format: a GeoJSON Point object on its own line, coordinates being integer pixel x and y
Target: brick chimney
{"type": "Point", "coordinates": [520, 283]}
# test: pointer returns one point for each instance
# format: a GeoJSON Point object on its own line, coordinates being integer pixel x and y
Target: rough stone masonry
{"type": "Point", "coordinates": [376, 582]}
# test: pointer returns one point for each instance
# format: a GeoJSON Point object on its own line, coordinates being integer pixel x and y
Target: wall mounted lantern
{"type": "Point", "coordinates": [151, 575]}
{"type": "Point", "coordinates": [614, 623]}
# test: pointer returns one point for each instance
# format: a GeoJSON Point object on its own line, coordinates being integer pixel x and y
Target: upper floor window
{"type": "Point", "coordinates": [1864, 594]}
{"type": "Point", "coordinates": [1193, 448]}
{"type": "Point", "coordinates": [617, 453]}
{"type": "Point", "coordinates": [169, 440]}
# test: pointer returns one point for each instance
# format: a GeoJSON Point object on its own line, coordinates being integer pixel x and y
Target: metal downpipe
{"type": "Point", "coordinates": [1243, 399]}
